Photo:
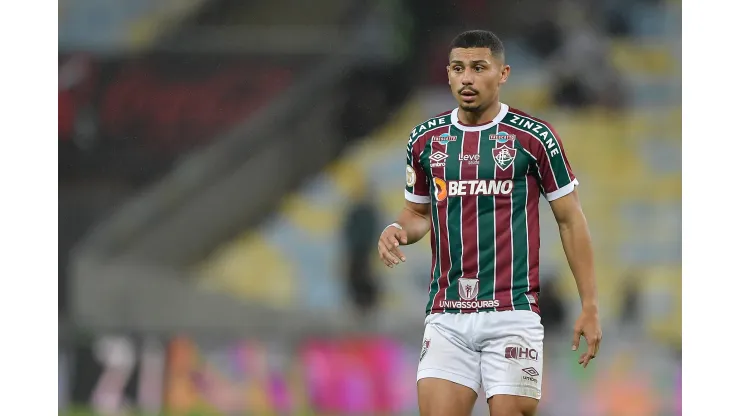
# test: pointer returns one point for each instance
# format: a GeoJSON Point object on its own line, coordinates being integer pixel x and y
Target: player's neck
{"type": "Point", "coordinates": [477, 118]}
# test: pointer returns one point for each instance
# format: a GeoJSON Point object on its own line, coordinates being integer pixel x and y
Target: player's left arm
{"type": "Point", "coordinates": [558, 184]}
{"type": "Point", "coordinates": [576, 240]}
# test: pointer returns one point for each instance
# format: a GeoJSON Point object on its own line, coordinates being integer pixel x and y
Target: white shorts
{"type": "Point", "coordinates": [499, 351]}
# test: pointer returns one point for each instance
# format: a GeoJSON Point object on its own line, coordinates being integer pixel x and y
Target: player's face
{"type": "Point", "coordinates": [475, 77]}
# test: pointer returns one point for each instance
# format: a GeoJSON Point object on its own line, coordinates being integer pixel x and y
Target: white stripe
{"type": "Point", "coordinates": [447, 226]}
{"type": "Point", "coordinates": [499, 117]}
{"type": "Point", "coordinates": [526, 229]}
{"type": "Point", "coordinates": [477, 224]}
{"type": "Point", "coordinates": [495, 250]}
{"type": "Point", "coordinates": [511, 233]}
{"type": "Point", "coordinates": [417, 199]}
{"type": "Point", "coordinates": [561, 192]}
{"type": "Point", "coordinates": [462, 232]}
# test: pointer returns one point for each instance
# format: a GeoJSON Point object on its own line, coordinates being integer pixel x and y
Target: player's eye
{"type": "Point", "coordinates": [458, 68]}
{"type": "Point", "coordinates": [479, 69]}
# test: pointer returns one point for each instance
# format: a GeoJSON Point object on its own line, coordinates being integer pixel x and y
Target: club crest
{"type": "Point", "coordinates": [504, 156]}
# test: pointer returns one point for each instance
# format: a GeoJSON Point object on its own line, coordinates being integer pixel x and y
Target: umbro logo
{"type": "Point", "coordinates": [437, 159]}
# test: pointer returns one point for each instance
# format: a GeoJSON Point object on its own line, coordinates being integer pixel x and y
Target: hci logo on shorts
{"type": "Point", "coordinates": [468, 288]}
{"type": "Point", "coordinates": [521, 353]}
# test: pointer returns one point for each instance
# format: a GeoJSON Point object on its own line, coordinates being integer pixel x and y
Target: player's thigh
{"type": "Point", "coordinates": [439, 397]}
{"type": "Point", "coordinates": [448, 379]}
{"type": "Point", "coordinates": [511, 361]}
{"type": "Point", "coordinates": [507, 405]}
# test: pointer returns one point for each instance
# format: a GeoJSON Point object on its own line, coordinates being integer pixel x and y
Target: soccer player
{"type": "Point", "coordinates": [474, 177]}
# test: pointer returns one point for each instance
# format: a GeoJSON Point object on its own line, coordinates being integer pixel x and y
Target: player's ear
{"type": "Point", "coordinates": [505, 71]}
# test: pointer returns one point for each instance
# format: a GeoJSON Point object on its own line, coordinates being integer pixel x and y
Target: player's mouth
{"type": "Point", "coordinates": [468, 95]}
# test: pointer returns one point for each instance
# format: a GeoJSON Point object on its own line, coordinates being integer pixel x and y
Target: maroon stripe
{"type": "Point", "coordinates": [536, 309]}
{"type": "Point", "coordinates": [470, 213]}
{"type": "Point", "coordinates": [504, 269]}
{"type": "Point", "coordinates": [533, 231]}
{"type": "Point", "coordinates": [444, 244]}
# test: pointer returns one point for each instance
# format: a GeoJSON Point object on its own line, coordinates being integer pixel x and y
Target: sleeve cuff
{"type": "Point", "coordinates": [418, 199]}
{"type": "Point", "coordinates": [565, 190]}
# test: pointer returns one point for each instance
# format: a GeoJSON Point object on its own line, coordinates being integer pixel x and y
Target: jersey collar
{"type": "Point", "coordinates": [499, 117]}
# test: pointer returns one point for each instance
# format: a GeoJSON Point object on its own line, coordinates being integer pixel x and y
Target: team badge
{"type": "Point", "coordinates": [504, 156]}
{"type": "Point", "coordinates": [410, 176]}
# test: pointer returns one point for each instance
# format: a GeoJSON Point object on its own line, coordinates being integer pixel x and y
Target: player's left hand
{"type": "Point", "coordinates": [589, 327]}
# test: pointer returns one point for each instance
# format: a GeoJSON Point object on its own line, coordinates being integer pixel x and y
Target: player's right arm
{"type": "Point", "coordinates": [414, 221]}
{"type": "Point", "coordinates": [411, 226]}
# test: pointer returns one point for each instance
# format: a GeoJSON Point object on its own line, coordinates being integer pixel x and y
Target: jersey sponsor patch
{"type": "Point", "coordinates": [444, 189]}
{"type": "Point", "coordinates": [410, 176]}
{"type": "Point", "coordinates": [467, 288]}
{"type": "Point", "coordinates": [502, 137]}
{"type": "Point", "coordinates": [517, 352]}
{"type": "Point", "coordinates": [469, 304]}
{"type": "Point", "coordinates": [444, 138]}
{"type": "Point", "coordinates": [472, 159]}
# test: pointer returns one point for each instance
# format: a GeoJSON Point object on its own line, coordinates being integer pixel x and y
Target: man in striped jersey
{"type": "Point", "coordinates": [474, 177]}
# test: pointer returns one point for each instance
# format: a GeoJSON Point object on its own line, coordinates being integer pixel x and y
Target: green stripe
{"type": "Point", "coordinates": [486, 220]}
{"type": "Point", "coordinates": [454, 214]}
{"type": "Point", "coordinates": [520, 245]}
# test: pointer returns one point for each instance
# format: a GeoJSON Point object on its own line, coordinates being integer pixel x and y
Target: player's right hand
{"type": "Point", "coordinates": [390, 239]}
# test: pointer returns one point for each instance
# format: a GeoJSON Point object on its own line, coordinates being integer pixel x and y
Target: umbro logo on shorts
{"type": "Point", "coordinates": [531, 371]}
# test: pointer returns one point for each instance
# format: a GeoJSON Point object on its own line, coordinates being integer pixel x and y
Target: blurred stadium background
{"type": "Point", "coordinates": [225, 167]}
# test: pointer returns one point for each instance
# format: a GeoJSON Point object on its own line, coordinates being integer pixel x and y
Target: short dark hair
{"type": "Point", "coordinates": [479, 39]}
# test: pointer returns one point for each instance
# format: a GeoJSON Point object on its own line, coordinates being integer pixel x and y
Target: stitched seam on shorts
{"type": "Point", "coordinates": [449, 372]}
{"type": "Point", "coordinates": [512, 385]}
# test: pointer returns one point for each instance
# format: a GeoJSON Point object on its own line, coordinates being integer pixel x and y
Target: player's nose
{"type": "Point", "coordinates": [467, 77]}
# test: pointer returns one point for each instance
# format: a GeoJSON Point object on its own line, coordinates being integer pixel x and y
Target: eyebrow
{"type": "Point", "coordinates": [480, 61]}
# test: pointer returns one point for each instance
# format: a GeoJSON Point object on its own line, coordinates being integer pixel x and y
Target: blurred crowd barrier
{"type": "Point", "coordinates": [368, 375]}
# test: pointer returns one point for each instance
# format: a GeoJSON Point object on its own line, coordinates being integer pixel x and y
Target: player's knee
{"type": "Point", "coordinates": [512, 406]}
{"type": "Point", "coordinates": [515, 412]}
